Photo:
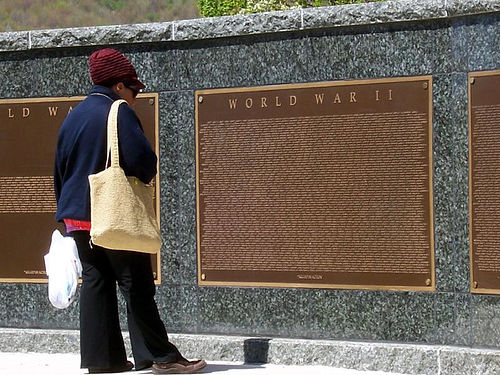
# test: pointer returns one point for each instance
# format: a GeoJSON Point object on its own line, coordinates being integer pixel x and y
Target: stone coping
{"type": "Point", "coordinates": [253, 24]}
{"type": "Point", "coordinates": [373, 356]}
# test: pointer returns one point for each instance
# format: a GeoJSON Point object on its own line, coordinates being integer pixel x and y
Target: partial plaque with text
{"type": "Point", "coordinates": [29, 129]}
{"type": "Point", "coordinates": [484, 190]}
{"type": "Point", "coordinates": [316, 185]}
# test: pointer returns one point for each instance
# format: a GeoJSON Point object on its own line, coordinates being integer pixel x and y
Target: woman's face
{"type": "Point", "coordinates": [127, 93]}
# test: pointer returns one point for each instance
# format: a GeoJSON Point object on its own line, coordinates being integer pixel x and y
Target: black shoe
{"type": "Point", "coordinates": [127, 366]}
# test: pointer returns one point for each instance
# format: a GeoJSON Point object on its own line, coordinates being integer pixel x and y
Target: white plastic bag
{"type": "Point", "coordinates": [63, 269]}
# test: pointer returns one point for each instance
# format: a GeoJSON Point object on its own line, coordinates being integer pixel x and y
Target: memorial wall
{"type": "Point", "coordinates": [325, 174]}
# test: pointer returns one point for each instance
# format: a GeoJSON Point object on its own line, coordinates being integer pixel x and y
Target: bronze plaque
{"type": "Point", "coordinates": [484, 190]}
{"type": "Point", "coordinates": [29, 129]}
{"type": "Point", "coordinates": [321, 185]}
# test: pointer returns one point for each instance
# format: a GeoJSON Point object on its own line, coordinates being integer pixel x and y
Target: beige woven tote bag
{"type": "Point", "coordinates": [121, 207]}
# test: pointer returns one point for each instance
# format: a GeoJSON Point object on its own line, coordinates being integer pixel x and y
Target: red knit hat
{"type": "Point", "coordinates": [108, 66]}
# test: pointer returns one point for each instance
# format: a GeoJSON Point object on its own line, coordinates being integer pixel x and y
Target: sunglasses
{"type": "Point", "coordinates": [128, 85]}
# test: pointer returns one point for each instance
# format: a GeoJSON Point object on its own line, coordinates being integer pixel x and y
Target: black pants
{"type": "Point", "coordinates": [101, 341]}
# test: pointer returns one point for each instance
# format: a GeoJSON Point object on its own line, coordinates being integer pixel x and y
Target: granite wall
{"type": "Point", "coordinates": [443, 38]}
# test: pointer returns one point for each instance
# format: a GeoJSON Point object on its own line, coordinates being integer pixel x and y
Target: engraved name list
{"type": "Point", "coordinates": [316, 185]}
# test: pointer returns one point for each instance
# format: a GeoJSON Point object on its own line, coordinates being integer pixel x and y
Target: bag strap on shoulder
{"type": "Point", "coordinates": [112, 135]}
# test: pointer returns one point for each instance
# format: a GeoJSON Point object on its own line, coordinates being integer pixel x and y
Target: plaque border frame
{"type": "Point", "coordinates": [428, 78]}
{"type": "Point", "coordinates": [152, 95]}
{"type": "Point", "coordinates": [470, 76]}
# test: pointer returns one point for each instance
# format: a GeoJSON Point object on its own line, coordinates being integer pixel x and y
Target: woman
{"type": "Point", "coordinates": [81, 151]}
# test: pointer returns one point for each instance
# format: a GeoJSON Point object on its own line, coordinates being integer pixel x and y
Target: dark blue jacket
{"type": "Point", "coordinates": [81, 151]}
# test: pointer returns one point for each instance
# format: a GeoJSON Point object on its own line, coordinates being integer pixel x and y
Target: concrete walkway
{"type": "Point", "coordinates": [68, 364]}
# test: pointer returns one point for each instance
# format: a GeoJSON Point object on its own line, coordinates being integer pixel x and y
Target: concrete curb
{"type": "Point", "coordinates": [363, 356]}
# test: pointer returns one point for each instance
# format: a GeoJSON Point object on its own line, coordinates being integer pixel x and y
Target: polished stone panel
{"type": "Point", "coordinates": [186, 252]}
{"type": "Point", "coordinates": [178, 307]}
{"type": "Point", "coordinates": [205, 64]}
{"type": "Point", "coordinates": [14, 70]}
{"type": "Point", "coordinates": [485, 321]}
{"type": "Point", "coordinates": [463, 312]}
{"type": "Point", "coordinates": [65, 75]}
{"type": "Point", "coordinates": [475, 42]}
{"type": "Point", "coordinates": [443, 155]}
{"type": "Point", "coordinates": [461, 193]}
{"type": "Point", "coordinates": [169, 186]}
{"type": "Point", "coordinates": [351, 315]}
{"type": "Point", "coordinates": [157, 68]}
